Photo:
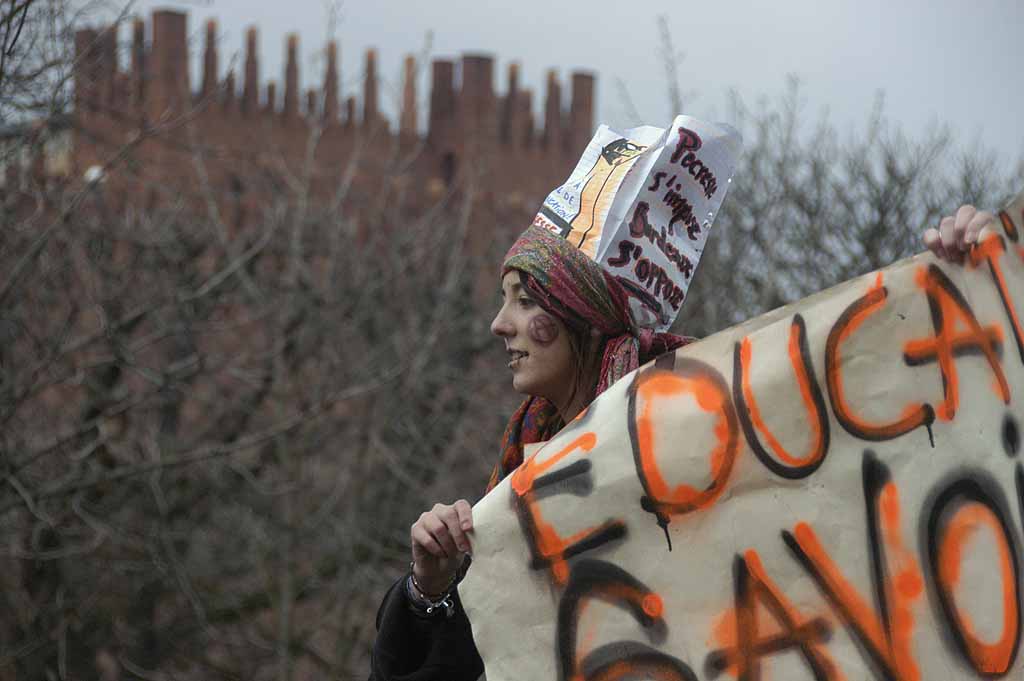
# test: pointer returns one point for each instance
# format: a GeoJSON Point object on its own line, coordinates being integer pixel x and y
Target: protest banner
{"type": "Point", "coordinates": [833, 490]}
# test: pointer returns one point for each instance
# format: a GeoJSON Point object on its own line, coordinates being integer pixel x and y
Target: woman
{"type": "Point", "coordinates": [569, 336]}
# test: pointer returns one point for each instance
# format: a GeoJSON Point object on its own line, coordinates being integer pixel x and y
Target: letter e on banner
{"type": "Point", "coordinates": [548, 546]}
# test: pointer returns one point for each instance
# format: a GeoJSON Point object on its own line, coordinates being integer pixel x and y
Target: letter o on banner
{"type": "Point", "coordinates": [706, 385]}
{"type": "Point", "coordinates": [964, 507]}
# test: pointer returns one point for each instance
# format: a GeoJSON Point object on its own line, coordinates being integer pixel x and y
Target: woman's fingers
{"type": "Point", "coordinates": [424, 540]}
{"type": "Point", "coordinates": [956, 234]}
{"type": "Point", "coordinates": [947, 230]}
{"type": "Point", "coordinates": [963, 218]}
{"type": "Point", "coordinates": [438, 537]}
{"type": "Point", "coordinates": [933, 241]}
{"type": "Point", "coordinates": [438, 528]}
{"type": "Point", "coordinates": [976, 224]}
{"type": "Point", "coordinates": [430, 535]}
{"type": "Point", "coordinates": [442, 529]}
{"type": "Point", "coordinates": [465, 514]}
{"type": "Point", "coordinates": [453, 517]}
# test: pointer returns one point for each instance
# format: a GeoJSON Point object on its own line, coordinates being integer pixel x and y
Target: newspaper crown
{"type": "Point", "coordinates": [641, 202]}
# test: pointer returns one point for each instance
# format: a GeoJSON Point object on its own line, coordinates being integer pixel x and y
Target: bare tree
{"type": "Point", "coordinates": [223, 405]}
{"type": "Point", "coordinates": [211, 446]}
{"type": "Point", "coordinates": [809, 208]}
{"type": "Point", "coordinates": [215, 428]}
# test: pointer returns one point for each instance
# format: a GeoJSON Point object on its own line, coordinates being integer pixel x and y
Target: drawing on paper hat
{"type": "Point", "coordinates": [641, 202]}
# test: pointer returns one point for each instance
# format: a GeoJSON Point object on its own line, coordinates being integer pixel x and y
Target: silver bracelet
{"type": "Point", "coordinates": [427, 604]}
{"type": "Point", "coordinates": [423, 592]}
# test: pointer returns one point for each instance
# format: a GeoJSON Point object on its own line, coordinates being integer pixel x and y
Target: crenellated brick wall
{"type": "Point", "coordinates": [238, 131]}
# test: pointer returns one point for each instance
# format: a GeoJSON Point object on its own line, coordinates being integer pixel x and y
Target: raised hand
{"type": "Point", "coordinates": [957, 233]}
{"type": "Point", "coordinates": [440, 541]}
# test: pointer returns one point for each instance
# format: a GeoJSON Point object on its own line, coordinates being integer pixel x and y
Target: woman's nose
{"type": "Point", "coordinates": [500, 326]}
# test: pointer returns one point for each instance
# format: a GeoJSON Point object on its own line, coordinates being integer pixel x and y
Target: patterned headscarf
{"type": "Point", "coordinates": [571, 286]}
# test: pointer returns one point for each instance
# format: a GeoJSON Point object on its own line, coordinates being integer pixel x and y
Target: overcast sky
{"type": "Point", "coordinates": [956, 62]}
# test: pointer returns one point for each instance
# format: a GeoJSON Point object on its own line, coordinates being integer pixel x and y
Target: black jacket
{"type": "Point", "coordinates": [414, 646]}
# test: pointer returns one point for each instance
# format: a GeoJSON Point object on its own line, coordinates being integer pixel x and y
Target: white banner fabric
{"type": "Point", "coordinates": [833, 490]}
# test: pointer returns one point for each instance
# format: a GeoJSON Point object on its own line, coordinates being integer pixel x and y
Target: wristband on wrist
{"type": "Point", "coordinates": [426, 594]}
{"type": "Point", "coordinates": [427, 602]}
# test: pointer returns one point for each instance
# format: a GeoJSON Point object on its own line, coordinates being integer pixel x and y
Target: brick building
{"type": "Point", "coordinates": [245, 142]}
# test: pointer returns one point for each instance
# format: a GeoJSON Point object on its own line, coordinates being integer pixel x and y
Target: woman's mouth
{"type": "Point", "coordinates": [514, 358]}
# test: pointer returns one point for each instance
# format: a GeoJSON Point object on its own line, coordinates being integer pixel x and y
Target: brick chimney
{"type": "Point", "coordinates": [370, 113]}
{"type": "Point", "coordinates": [522, 134]}
{"type": "Point", "coordinates": [291, 80]}
{"type": "Point", "coordinates": [477, 116]}
{"type": "Point", "coordinates": [271, 106]}
{"type": "Point", "coordinates": [251, 85]}
{"type": "Point", "coordinates": [407, 119]}
{"type": "Point", "coordinates": [581, 113]}
{"type": "Point", "coordinates": [210, 59]}
{"type": "Point", "coordinates": [441, 120]}
{"type": "Point", "coordinates": [331, 85]}
{"type": "Point", "coordinates": [106, 65]}
{"type": "Point", "coordinates": [138, 77]}
{"type": "Point", "coordinates": [510, 106]}
{"type": "Point", "coordinates": [170, 91]}
{"type": "Point", "coordinates": [85, 75]}
{"type": "Point", "coordinates": [552, 112]}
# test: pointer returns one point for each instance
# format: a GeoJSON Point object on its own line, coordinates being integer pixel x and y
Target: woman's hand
{"type": "Point", "coordinates": [957, 233]}
{"type": "Point", "coordinates": [439, 543]}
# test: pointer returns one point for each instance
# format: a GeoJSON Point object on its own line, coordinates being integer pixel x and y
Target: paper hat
{"type": "Point", "coordinates": [641, 202]}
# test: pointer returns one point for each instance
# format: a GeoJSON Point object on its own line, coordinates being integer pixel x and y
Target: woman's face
{"type": "Point", "coordinates": [540, 355]}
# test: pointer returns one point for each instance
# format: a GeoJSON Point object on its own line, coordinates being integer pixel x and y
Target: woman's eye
{"type": "Point", "coordinates": [526, 302]}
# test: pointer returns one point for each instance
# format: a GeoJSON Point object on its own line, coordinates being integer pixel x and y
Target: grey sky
{"type": "Point", "coordinates": [940, 61]}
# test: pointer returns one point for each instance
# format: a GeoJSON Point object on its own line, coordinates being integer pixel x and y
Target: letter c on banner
{"type": "Point", "coordinates": [712, 393]}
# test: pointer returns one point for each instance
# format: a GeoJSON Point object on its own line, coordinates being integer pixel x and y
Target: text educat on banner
{"type": "Point", "coordinates": [834, 490]}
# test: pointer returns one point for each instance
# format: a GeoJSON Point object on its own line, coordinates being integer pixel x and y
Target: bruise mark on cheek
{"type": "Point", "coordinates": [543, 329]}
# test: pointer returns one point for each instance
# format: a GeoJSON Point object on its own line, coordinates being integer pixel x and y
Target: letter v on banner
{"type": "Point", "coordinates": [885, 632]}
